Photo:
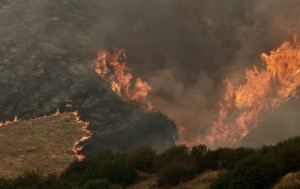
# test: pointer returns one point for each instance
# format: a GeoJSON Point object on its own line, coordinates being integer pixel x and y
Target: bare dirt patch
{"type": "Point", "coordinates": [43, 144]}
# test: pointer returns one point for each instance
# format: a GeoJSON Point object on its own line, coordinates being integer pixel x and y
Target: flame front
{"type": "Point", "coordinates": [114, 71]}
{"type": "Point", "coordinates": [8, 121]}
{"type": "Point", "coordinates": [77, 147]}
{"type": "Point", "coordinates": [243, 107]}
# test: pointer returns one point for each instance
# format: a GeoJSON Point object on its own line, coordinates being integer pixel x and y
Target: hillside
{"type": "Point", "coordinates": [46, 57]}
{"type": "Point", "coordinates": [43, 144]}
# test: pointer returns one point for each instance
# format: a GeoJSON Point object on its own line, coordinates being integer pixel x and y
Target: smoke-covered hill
{"type": "Point", "coordinates": [45, 65]}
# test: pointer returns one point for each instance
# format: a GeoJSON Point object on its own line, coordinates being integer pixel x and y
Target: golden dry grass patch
{"type": "Point", "coordinates": [289, 181]}
{"type": "Point", "coordinates": [43, 144]}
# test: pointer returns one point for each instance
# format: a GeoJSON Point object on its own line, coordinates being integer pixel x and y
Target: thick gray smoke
{"type": "Point", "coordinates": [183, 49]}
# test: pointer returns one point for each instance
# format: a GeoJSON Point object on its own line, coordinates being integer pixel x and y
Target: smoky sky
{"type": "Point", "coordinates": [183, 49]}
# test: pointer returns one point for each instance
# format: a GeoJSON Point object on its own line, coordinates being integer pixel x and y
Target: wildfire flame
{"type": "Point", "coordinates": [77, 147]}
{"type": "Point", "coordinates": [8, 121]}
{"type": "Point", "coordinates": [243, 107]}
{"type": "Point", "coordinates": [112, 67]}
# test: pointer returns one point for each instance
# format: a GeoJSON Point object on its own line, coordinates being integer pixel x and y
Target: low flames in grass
{"type": "Point", "coordinates": [8, 121]}
{"type": "Point", "coordinates": [112, 67]}
{"type": "Point", "coordinates": [243, 107]}
{"type": "Point", "coordinates": [77, 147]}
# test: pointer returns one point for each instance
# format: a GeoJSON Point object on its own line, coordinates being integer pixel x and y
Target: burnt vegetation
{"type": "Point", "coordinates": [244, 168]}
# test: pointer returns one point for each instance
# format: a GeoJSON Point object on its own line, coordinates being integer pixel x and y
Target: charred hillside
{"type": "Point", "coordinates": [45, 65]}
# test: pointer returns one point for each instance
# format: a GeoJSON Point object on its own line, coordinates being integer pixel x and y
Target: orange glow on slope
{"type": "Point", "coordinates": [112, 67]}
{"type": "Point", "coordinates": [243, 107]}
{"type": "Point", "coordinates": [77, 147]}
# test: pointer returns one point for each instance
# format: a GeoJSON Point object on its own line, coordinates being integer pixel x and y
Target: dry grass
{"type": "Point", "coordinates": [289, 181]}
{"type": "Point", "coordinates": [44, 145]}
{"type": "Point", "coordinates": [203, 181]}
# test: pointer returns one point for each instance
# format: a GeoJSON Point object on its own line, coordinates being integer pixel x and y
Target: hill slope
{"type": "Point", "coordinates": [44, 144]}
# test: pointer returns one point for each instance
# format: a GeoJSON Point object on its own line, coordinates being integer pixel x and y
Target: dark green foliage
{"type": "Point", "coordinates": [172, 173]}
{"type": "Point", "coordinates": [34, 180]}
{"type": "Point", "coordinates": [79, 172]}
{"type": "Point", "coordinates": [7, 184]}
{"type": "Point", "coordinates": [115, 186]}
{"type": "Point", "coordinates": [175, 165]}
{"type": "Point", "coordinates": [256, 172]}
{"type": "Point", "coordinates": [100, 184]}
{"type": "Point", "coordinates": [108, 165]}
{"type": "Point", "coordinates": [176, 153]}
{"type": "Point", "coordinates": [96, 184]}
{"type": "Point", "coordinates": [223, 182]}
{"type": "Point", "coordinates": [142, 158]}
{"type": "Point", "coordinates": [198, 153]}
{"type": "Point", "coordinates": [222, 158]}
{"type": "Point", "coordinates": [31, 178]}
{"type": "Point", "coordinates": [248, 168]}
{"type": "Point", "coordinates": [289, 153]}
{"type": "Point", "coordinates": [199, 150]}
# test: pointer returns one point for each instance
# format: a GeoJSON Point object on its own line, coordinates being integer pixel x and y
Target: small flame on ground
{"type": "Point", "coordinates": [77, 147]}
{"type": "Point", "coordinates": [112, 67]}
{"type": "Point", "coordinates": [8, 121]}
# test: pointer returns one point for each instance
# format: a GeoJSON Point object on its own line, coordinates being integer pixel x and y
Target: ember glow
{"type": "Point", "coordinates": [243, 107]}
{"type": "Point", "coordinates": [112, 67]}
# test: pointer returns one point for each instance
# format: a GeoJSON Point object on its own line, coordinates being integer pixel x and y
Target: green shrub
{"type": "Point", "coordinates": [176, 153]}
{"type": "Point", "coordinates": [7, 184]}
{"type": "Point", "coordinates": [30, 179]}
{"type": "Point", "coordinates": [289, 154]}
{"type": "Point", "coordinates": [96, 184]}
{"type": "Point", "coordinates": [256, 172]}
{"type": "Point", "coordinates": [222, 182]}
{"type": "Point", "coordinates": [115, 186]}
{"type": "Point", "coordinates": [119, 172]}
{"type": "Point", "coordinates": [222, 158]}
{"type": "Point", "coordinates": [107, 165]}
{"type": "Point", "coordinates": [79, 172]}
{"type": "Point", "coordinates": [173, 173]}
{"type": "Point", "coordinates": [142, 158]}
{"type": "Point", "coordinates": [198, 153]}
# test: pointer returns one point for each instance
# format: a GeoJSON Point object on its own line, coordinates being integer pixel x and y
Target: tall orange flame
{"type": "Point", "coordinates": [114, 71]}
{"type": "Point", "coordinates": [243, 107]}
